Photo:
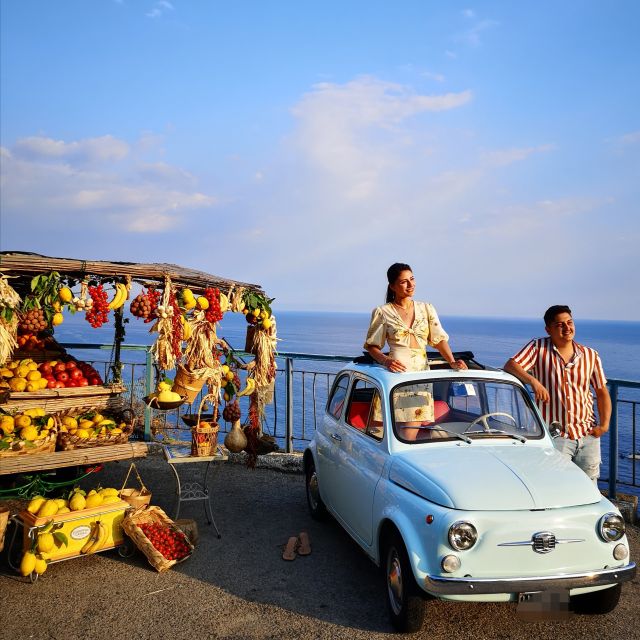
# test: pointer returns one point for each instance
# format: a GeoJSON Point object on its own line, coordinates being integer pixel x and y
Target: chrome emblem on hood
{"type": "Point", "coordinates": [543, 542]}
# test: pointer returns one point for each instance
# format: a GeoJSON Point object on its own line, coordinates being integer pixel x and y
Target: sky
{"type": "Point", "coordinates": [306, 146]}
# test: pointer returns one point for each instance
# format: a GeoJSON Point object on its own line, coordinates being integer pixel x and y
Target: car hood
{"type": "Point", "coordinates": [482, 477]}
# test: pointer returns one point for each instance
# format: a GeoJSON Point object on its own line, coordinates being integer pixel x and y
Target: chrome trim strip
{"type": "Point", "coordinates": [529, 543]}
{"type": "Point", "coordinates": [441, 586]}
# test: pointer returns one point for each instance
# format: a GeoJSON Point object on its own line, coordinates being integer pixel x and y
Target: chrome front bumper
{"type": "Point", "coordinates": [442, 586]}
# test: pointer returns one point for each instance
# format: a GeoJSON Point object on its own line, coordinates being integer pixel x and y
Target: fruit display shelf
{"type": "Point", "coordinates": [55, 400]}
{"type": "Point", "coordinates": [72, 458]}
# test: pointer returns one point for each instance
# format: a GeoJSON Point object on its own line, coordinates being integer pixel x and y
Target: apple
{"type": "Point", "coordinates": [75, 374]}
{"type": "Point", "coordinates": [71, 383]}
{"type": "Point", "coordinates": [52, 383]}
{"type": "Point", "coordinates": [63, 376]}
{"type": "Point", "coordinates": [60, 367]}
{"type": "Point", "coordinates": [70, 365]}
{"type": "Point", "coordinates": [46, 369]}
{"type": "Point", "coordinates": [83, 382]}
{"type": "Point", "coordinates": [94, 380]}
{"type": "Point", "coordinates": [59, 385]}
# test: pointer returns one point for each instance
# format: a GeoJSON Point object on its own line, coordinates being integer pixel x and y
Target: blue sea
{"type": "Point", "coordinates": [492, 341]}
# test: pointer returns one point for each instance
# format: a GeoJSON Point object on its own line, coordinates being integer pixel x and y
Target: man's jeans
{"type": "Point", "coordinates": [585, 452]}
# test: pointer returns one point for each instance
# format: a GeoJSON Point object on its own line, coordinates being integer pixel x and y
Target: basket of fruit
{"type": "Point", "coordinates": [164, 399]}
{"type": "Point", "coordinates": [135, 497]}
{"type": "Point", "coordinates": [158, 537]}
{"type": "Point", "coordinates": [32, 431]}
{"type": "Point", "coordinates": [91, 428]}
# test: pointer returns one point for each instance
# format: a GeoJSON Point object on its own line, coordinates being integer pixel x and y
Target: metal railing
{"type": "Point", "coordinates": [302, 386]}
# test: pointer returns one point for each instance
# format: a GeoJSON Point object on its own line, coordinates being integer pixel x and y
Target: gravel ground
{"type": "Point", "coordinates": [239, 586]}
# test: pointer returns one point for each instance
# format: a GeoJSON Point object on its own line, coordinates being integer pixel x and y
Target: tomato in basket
{"type": "Point", "coordinates": [170, 543]}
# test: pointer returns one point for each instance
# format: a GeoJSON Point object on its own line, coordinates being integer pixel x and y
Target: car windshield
{"type": "Point", "coordinates": [463, 409]}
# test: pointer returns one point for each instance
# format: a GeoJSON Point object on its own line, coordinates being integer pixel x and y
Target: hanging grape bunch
{"type": "Point", "coordinates": [213, 312]}
{"type": "Point", "coordinates": [32, 321]}
{"type": "Point", "coordinates": [144, 305]}
{"type": "Point", "coordinates": [232, 412]}
{"type": "Point", "coordinates": [98, 314]}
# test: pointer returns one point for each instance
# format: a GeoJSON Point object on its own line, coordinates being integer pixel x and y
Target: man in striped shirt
{"type": "Point", "coordinates": [562, 373]}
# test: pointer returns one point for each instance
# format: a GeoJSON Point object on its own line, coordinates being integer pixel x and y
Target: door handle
{"type": "Point", "coordinates": [336, 437]}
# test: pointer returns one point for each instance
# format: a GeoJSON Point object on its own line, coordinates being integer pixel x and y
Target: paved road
{"type": "Point", "coordinates": [239, 587]}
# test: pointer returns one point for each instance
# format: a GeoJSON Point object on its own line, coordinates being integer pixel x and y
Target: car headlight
{"type": "Point", "coordinates": [611, 527]}
{"type": "Point", "coordinates": [462, 535]}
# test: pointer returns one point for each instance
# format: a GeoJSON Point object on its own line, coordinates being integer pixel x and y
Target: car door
{"type": "Point", "coordinates": [360, 459]}
{"type": "Point", "coordinates": [328, 439]}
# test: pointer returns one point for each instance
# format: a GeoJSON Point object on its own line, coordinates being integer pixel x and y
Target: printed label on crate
{"type": "Point", "coordinates": [80, 532]}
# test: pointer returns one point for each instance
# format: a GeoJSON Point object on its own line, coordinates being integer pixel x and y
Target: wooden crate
{"type": "Point", "coordinates": [57, 400]}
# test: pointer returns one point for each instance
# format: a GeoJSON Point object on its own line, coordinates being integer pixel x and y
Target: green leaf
{"type": "Point", "coordinates": [35, 281]}
{"type": "Point", "coordinates": [60, 539]}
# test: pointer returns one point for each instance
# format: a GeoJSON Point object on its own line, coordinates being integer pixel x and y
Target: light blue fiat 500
{"type": "Point", "coordinates": [449, 480]}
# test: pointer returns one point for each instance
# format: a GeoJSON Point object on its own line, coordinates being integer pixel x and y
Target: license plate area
{"type": "Point", "coordinates": [543, 605]}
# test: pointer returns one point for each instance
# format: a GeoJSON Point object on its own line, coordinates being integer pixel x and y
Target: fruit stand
{"type": "Point", "coordinates": [56, 411]}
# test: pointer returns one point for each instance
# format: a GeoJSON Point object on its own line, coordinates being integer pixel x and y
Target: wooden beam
{"type": "Point", "coordinates": [76, 457]}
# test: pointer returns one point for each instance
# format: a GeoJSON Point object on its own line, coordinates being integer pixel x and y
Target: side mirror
{"type": "Point", "coordinates": [555, 430]}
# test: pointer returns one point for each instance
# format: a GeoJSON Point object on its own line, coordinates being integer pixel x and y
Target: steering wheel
{"type": "Point", "coordinates": [485, 416]}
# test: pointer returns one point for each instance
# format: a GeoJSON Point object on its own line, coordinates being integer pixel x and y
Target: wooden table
{"type": "Point", "coordinates": [75, 457]}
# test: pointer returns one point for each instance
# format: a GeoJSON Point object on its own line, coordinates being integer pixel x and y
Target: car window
{"type": "Point", "coordinates": [338, 395]}
{"type": "Point", "coordinates": [473, 408]}
{"type": "Point", "coordinates": [364, 412]}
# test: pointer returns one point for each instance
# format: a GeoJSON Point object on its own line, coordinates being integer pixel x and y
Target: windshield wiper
{"type": "Point", "coordinates": [501, 432]}
{"type": "Point", "coordinates": [467, 439]}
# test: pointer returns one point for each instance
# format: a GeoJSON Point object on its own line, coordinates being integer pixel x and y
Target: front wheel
{"type": "Point", "coordinates": [597, 602]}
{"type": "Point", "coordinates": [405, 600]}
{"type": "Point", "coordinates": [316, 507]}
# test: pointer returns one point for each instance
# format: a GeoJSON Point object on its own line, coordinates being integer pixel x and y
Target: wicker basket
{"type": "Point", "coordinates": [187, 384]}
{"type": "Point", "coordinates": [135, 497]}
{"type": "Point", "coordinates": [67, 441]}
{"type": "Point", "coordinates": [152, 515]}
{"type": "Point", "coordinates": [4, 521]}
{"type": "Point", "coordinates": [24, 448]}
{"type": "Point", "coordinates": [190, 528]}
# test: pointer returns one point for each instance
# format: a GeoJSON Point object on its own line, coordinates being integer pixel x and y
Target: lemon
{"type": "Point", "coordinates": [32, 413]}
{"type": "Point", "coordinates": [94, 500]}
{"type": "Point", "coordinates": [225, 369]}
{"type": "Point", "coordinates": [40, 566]}
{"type": "Point", "coordinates": [116, 431]}
{"type": "Point", "coordinates": [77, 502]}
{"type": "Point", "coordinates": [203, 303]}
{"type": "Point", "coordinates": [18, 384]}
{"type": "Point", "coordinates": [187, 295]}
{"type": "Point", "coordinates": [23, 370]}
{"type": "Point", "coordinates": [45, 542]}
{"type": "Point", "coordinates": [61, 502]}
{"type": "Point", "coordinates": [44, 433]}
{"type": "Point", "coordinates": [86, 424]}
{"type": "Point", "coordinates": [49, 508]}
{"type": "Point", "coordinates": [35, 504]}
{"type": "Point", "coordinates": [110, 499]}
{"type": "Point", "coordinates": [65, 294]}
{"type": "Point", "coordinates": [22, 420]}
{"type": "Point", "coordinates": [63, 510]}
{"type": "Point", "coordinates": [266, 323]}
{"type": "Point", "coordinates": [82, 433]}
{"type": "Point", "coordinates": [57, 319]}
{"type": "Point", "coordinates": [28, 563]}
{"type": "Point", "coordinates": [68, 421]}
{"type": "Point", "coordinates": [230, 376]}
{"type": "Point", "coordinates": [29, 433]}
{"type": "Point", "coordinates": [109, 491]}
{"type": "Point", "coordinates": [6, 372]}
{"type": "Point", "coordinates": [190, 304]}
{"type": "Point", "coordinates": [97, 419]}
{"type": "Point", "coordinates": [7, 424]}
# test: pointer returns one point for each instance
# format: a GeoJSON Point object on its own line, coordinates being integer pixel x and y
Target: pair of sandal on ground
{"type": "Point", "coordinates": [300, 546]}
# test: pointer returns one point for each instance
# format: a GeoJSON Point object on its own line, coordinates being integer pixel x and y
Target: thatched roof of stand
{"type": "Point", "coordinates": [23, 263]}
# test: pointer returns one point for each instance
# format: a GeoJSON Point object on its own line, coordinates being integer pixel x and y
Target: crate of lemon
{"type": "Point", "coordinates": [94, 429]}
{"type": "Point", "coordinates": [62, 528]}
{"type": "Point", "coordinates": [27, 432]}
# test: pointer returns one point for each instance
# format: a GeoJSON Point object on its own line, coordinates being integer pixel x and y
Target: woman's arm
{"type": "Point", "coordinates": [393, 365]}
{"type": "Point", "coordinates": [445, 351]}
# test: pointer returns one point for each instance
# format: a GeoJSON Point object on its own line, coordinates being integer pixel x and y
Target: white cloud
{"type": "Point", "coordinates": [468, 13]}
{"type": "Point", "coordinates": [41, 149]}
{"type": "Point", "coordinates": [97, 182]}
{"type": "Point", "coordinates": [471, 37]}
{"type": "Point", "coordinates": [438, 77]}
{"type": "Point", "coordinates": [504, 157]}
{"type": "Point", "coordinates": [159, 9]}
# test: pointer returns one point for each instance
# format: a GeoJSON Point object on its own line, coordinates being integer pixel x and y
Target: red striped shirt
{"type": "Point", "coordinates": [569, 385]}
